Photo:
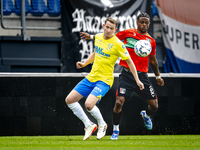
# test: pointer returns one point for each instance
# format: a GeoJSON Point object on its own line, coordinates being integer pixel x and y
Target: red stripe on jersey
{"type": "Point", "coordinates": [116, 93]}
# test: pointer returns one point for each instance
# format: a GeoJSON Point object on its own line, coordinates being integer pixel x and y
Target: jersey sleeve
{"type": "Point", "coordinates": [121, 35]}
{"type": "Point", "coordinates": [123, 52]}
{"type": "Point", "coordinates": [153, 45]}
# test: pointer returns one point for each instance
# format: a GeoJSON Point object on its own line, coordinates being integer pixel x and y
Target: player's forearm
{"type": "Point", "coordinates": [90, 59]}
{"type": "Point", "coordinates": [133, 69]}
{"type": "Point", "coordinates": [154, 67]}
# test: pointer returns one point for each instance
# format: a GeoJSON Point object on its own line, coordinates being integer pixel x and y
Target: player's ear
{"type": "Point", "coordinates": [115, 29]}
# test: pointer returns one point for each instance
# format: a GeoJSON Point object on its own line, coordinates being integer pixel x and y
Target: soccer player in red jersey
{"type": "Point", "coordinates": [127, 83]}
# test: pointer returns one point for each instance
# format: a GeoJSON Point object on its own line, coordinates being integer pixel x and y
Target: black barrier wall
{"type": "Point", "coordinates": [35, 106]}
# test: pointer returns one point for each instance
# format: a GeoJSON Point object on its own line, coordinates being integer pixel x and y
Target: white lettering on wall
{"type": "Point", "coordinates": [87, 49]}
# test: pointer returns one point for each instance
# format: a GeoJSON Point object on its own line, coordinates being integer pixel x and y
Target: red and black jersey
{"type": "Point", "coordinates": [130, 37]}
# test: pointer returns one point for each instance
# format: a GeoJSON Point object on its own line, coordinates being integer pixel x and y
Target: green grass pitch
{"type": "Point", "coordinates": [136, 142]}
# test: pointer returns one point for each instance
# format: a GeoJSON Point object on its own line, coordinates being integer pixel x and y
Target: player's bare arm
{"type": "Point", "coordinates": [154, 66]}
{"type": "Point", "coordinates": [88, 61]}
{"type": "Point", "coordinates": [134, 72]}
{"type": "Point", "coordinates": [86, 36]}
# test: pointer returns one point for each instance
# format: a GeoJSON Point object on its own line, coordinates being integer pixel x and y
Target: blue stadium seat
{"type": "Point", "coordinates": [17, 9]}
{"type": "Point", "coordinates": [154, 10]}
{"type": "Point", "coordinates": [38, 7]}
{"type": "Point", "coordinates": [53, 7]}
{"type": "Point", "coordinates": [8, 7]}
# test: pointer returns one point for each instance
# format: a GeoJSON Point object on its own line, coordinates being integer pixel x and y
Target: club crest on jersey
{"type": "Point", "coordinates": [126, 53]}
{"type": "Point", "coordinates": [122, 91]}
{"type": "Point", "coordinates": [110, 45]}
{"type": "Point", "coordinates": [148, 40]}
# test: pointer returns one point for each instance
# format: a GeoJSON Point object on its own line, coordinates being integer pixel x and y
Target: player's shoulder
{"type": "Point", "coordinates": [118, 41]}
{"type": "Point", "coordinates": [151, 38]}
{"type": "Point", "coordinates": [130, 30]}
{"type": "Point", "coordinates": [99, 35]}
{"type": "Point", "coordinates": [127, 30]}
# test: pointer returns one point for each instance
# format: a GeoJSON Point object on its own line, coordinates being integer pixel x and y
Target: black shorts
{"type": "Point", "coordinates": [127, 85]}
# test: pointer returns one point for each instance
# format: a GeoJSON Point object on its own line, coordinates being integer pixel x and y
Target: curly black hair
{"type": "Point", "coordinates": [143, 15]}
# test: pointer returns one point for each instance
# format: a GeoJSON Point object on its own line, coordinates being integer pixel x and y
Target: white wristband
{"type": "Point", "coordinates": [158, 77]}
{"type": "Point", "coordinates": [91, 37]}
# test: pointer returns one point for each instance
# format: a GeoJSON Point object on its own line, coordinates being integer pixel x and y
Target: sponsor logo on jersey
{"type": "Point", "coordinates": [151, 91]}
{"type": "Point", "coordinates": [148, 40]}
{"type": "Point", "coordinates": [99, 50]}
{"type": "Point", "coordinates": [98, 89]}
{"type": "Point", "coordinates": [110, 45]}
{"type": "Point", "coordinates": [131, 42]}
{"type": "Point", "coordinates": [122, 91]}
{"type": "Point", "coordinates": [126, 53]}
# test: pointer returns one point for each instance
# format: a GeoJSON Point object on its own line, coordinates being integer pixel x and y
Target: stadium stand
{"type": "Point", "coordinates": [154, 9]}
{"type": "Point", "coordinates": [39, 53]}
{"type": "Point", "coordinates": [8, 7]}
{"type": "Point", "coordinates": [17, 9]}
{"type": "Point", "coordinates": [39, 7]}
{"type": "Point", "coordinates": [53, 7]}
{"type": "Point", "coordinates": [33, 7]}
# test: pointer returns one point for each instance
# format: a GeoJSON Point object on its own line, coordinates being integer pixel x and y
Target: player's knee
{"type": "Point", "coordinates": [67, 100]}
{"type": "Point", "coordinates": [119, 102]}
{"type": "Point", "coordinates": [154, 107]}
{"type": "Point", "coordinates": [88, 106]}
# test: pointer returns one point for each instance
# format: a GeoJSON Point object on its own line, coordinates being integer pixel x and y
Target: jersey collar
{"type": "Point", "coordinates": [141, 32]}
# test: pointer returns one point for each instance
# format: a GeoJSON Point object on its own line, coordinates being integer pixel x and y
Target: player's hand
{"type": "Point", "coordinates": [85, 36]}
{"type": "Point", "coordinates": [79, 65]}
{"type": "Point", "coordinates": [160, 82]}
{"type": "Point", "coordinates": [141, 85]}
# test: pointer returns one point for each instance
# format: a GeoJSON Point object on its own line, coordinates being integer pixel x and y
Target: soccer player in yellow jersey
{"type": "Point", "coordinates": [108, 48]}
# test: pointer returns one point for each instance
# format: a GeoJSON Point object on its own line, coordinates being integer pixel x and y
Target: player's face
{"type": "Point", "coordinates": [143, 24]}
{"type": "Point", "coordinates": [109, 29]}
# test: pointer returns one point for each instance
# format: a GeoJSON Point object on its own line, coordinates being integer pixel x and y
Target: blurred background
{"type": "Point", "coordinates": [43, 35]}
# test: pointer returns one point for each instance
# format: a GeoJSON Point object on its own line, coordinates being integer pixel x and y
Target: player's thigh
{"type": "Point", "coordinates": [153, 103]}
{"type": "Point", "coordinates": [119, 101]}
{"type": "Point", "coordinates": [99, 90]}
{"type": "Point", "coordinates": [91, 101]}
{"type": "Point", "coordinates": [125, 87]}
{"type": "Point", "coordinates": [73, 97]}
{"type": "Point", "coordinates": [148, 93]}
{"type": "Point", "coordinates": [82, 89]}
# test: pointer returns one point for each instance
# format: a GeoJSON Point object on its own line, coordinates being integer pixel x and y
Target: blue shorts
{"type": "Point", "coordinates": [98, 89]}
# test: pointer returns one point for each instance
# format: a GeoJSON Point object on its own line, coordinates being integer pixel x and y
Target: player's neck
{"type": "Point", "coordinates": [141, 32]}
{"type": "Point", "coordinates": [107, 38]}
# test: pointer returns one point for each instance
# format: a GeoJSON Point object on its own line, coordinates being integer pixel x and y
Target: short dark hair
{"type": "Point", "coordinates": [112, 20]}
{"type": "Point", "coordinates": [143, 15]}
